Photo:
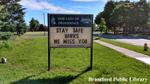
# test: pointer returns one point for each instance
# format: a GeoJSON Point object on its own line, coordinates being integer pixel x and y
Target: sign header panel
{"type": "Point", "coordinates": [70, 31]}
{"type": "Point", "coordinates": [64, 20]}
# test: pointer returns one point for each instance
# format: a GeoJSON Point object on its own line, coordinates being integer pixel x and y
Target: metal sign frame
{"type": "Point", "coordinates": [49, 47]}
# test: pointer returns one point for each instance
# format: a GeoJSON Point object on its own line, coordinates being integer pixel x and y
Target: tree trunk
{"type": "Point", "coordinates": [114, 29]}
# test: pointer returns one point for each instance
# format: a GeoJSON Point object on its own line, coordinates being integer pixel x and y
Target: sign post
{"type": "Point", "coordinates": [70, 31]}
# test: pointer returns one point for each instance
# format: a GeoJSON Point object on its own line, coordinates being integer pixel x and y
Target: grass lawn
{"type": "Point", "coordinates": [27, 64]}
{"type": "Point", "coordinates": [35, 35]}
{"type": "Point", "coordinates": [126, 45]}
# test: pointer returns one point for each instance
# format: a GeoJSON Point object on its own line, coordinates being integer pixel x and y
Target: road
{"type": "Point", "coordinates": [139, 42]}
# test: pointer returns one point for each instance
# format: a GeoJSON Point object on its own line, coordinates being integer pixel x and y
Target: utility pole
{"type": "Point", "coordinates": [44, 23]}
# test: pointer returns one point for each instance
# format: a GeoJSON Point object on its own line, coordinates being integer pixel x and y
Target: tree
{"type": "Point", "coordinates": [34, 24]}
{"type": "Point", "coordinates": [94, 27]}
{"type": "Point", "coordinates": [21, 28]}
{"type": "Point", "coordinates": [108, 9]}
{"type": "Point", "coordinates": [3, 15]}
{"type": "Point", "coordinates": [42, 28]}
{"type": "Point", "coordinates": [142, 12]}
{"type": "Point", "coordinates": [126, 15]}
{"type": "Point", "coordinates": [16, 16]}
{"type": "Point", "coordinates": [13, 15]}
{"type": "Point", "coordinates": [102, 26]}
{"type": "Point", "coordinates": [148, 19]}
{"type": "Point", "coordinates": [106, 14]}
{"type": "Point", "coordinates": [148, 23]}
{"type": "Point", "coordinates": [121, 16]}
{"type": "Point", "coordinates": [97, 18]}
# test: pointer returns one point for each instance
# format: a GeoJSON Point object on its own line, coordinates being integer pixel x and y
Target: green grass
{"type": "Point", "coordinates": [35, 34]}
{"type": "Point", "coordinates": [139, 49]}
{"type": "Point", "coordinates": [27, 64]}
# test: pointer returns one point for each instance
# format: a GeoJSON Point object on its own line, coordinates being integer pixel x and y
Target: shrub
{"type": "Point", "coordinates": [145, 47]}
{"type": "Point", "coordinates": [5, 35]}
{"type": "Point", "coordinates": [4, 44]}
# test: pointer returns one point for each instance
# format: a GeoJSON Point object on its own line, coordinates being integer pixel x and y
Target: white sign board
{"type": "Point", "coordinates": [70, 31]}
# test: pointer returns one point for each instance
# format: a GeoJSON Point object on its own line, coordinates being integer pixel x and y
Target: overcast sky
{"type": "Point", "coordinates": [36, 8]}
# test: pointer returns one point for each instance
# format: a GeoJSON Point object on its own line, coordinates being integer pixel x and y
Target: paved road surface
{"type": "Point", "coordinates": [139, 42]}
{"type": "Point", "coordinates": [127, 39]}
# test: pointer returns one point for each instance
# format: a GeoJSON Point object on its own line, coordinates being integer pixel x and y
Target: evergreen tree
{"type": "Point", "coordinates": [13, 15]}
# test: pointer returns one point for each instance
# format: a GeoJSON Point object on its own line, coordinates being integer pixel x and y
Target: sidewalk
{"type": "Point", "coordinates": [141, 57]}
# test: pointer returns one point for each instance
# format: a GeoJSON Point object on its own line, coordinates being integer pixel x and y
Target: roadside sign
{"type": "Point", "coordinates": [70, 31]}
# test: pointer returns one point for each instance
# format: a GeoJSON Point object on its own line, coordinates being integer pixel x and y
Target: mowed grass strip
{"type": "Point", "coordinates": [27, 64]}
{"type": "Point", "coordinates": [135, 48]}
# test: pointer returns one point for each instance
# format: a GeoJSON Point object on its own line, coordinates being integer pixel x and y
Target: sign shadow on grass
{"type": "Point", "coordinates": [55, 80]}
